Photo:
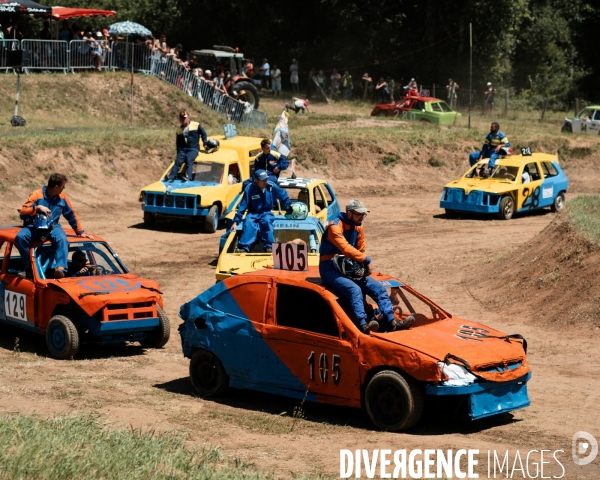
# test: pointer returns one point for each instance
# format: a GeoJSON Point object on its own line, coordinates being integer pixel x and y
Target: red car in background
{"type": "Point", "coordinates": [420, 109]}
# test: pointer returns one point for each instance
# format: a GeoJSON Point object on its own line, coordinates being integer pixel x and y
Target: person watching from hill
{"type": "Point", "coordinates": [345, 236]}
{"type": "Point", "coordinates": [265, 71]}
{"type": "Point", "coordinates": [258, 199]}
{"type": "Point", "coordinates": [52, 202]}
{"type": "Point", "coordinates": [187, 141]}
{"type": "Point", "coordinates": [276, 81]}
{"type": "Point", "coordinates": [381, 90]}
{"type": "Point", "coordinates": [493, 143]}
{"type": "Point", "coordinates": [269, 162]}
{"type": "Point", "coordinates": [294, 80]}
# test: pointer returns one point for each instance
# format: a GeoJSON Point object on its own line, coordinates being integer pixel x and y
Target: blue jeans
{"type": "Point", "coordinates": [253, 224]}
{"type": "Point", "coordinates": [187, 156]}
{"type": "Point", "coordinates": [354, 290]}
{"type": "Point", "coordinates": [57, 237]}
{"type": "Point", "coordinates": [474, 158]}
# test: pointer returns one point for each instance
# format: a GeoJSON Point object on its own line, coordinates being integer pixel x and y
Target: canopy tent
{"type": "Point", "coordinates": [63, 13]}
{"type": "Point", "coordinates": [24, 6]}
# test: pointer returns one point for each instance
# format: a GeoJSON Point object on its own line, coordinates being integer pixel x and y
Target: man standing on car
{"type": "Point", "coordinates": [493, 143]}
{"type": "Point", "coordinates": [258, 200]}
{"type": "Point", "coordinates": [345, 236]}
{"type": "Point", "coordinates": [52, 202]}
{"type": "Point", "coordinates": [269, 162]}
{"type": "Point", "coordinates": [187, 141]}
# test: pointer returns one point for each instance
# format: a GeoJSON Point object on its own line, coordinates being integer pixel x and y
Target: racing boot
{"type": "Point", "coordinates": [372, 326]}
{"type": "Point", "coordinates": [403, 324]}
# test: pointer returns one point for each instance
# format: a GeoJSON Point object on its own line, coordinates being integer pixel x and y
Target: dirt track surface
{"type": "Point", "coordinates": [408, 237]}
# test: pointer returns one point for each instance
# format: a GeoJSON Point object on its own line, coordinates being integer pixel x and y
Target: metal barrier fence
{"type": "Point", "coordinates": [48, 55]}
{"type": "Point", "coordinates": [5, 47]}
{"type": "Point", "coordinates": [84, 55]}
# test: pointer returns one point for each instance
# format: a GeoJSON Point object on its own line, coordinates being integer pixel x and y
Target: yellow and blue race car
{"type": "Point", "coordinates": [212, 192]}
{"type": "Point", "coordinates": [517, 183]}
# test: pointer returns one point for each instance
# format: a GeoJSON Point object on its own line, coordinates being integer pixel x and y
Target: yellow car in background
{"type": "Point", "coordinates": [517, 183]}
{"type": "Point", "coordinates": [214, 189]}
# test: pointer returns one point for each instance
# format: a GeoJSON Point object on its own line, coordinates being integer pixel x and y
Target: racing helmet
{"type": "Point", "coordinates": [43, 226]}
{"type": "Point", "coordinates": [296, 211]}
{"type": "Point", "coordinates": [212, 145]}
{"type": "Point", "coordinates": [350, 268]}
{"type": "Point", "coordinates": [505, 151]}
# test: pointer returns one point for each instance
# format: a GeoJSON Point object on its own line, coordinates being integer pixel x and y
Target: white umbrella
{"type": "Point", "coordinates": [128, 28]}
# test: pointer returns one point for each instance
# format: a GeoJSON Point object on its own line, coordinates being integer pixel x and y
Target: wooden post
{"type": "Point", "coordinates": [320, 89]}
{"type": "Point", "coordinates": [131, 114]}
{"type": "Point", "coordinates": [576, 106]}
{"type": "Point", "coordinates": [545, 108]}
{"type": "Point", "coordinates": [506, 103]}
{"type": "Point", "coordinates": [434, 93]}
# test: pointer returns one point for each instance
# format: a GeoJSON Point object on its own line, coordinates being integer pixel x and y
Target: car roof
{"type": "Point", "coordinates": [518, 160]}
{"type": "Point", "coordinates": [311, 276]}
{"type": "Point", "coordinates": [238, 140]}
{"type": "Point", "coordinates": [298, 182]}
{"type": "Point", "coordinates": [596, 107]}
{"type": "Point", "coordinates": [8, 233]}
{"type": "Point", "coordinates": [217, 53]}
{"type": "Point", "coordinates": [222, 155]}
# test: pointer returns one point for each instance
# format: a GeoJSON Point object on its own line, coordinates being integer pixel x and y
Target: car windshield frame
{"type": "Point", "coordinates": [90, 247]}
{"type": "Point", "coordinates": [210, 175]}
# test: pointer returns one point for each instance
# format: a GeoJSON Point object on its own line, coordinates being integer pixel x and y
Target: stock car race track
{"type": "Point", "coordinates": [412, 241]}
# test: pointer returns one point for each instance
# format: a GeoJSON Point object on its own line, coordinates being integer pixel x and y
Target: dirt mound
{"type": "Point", "coordinates": [554, 277]}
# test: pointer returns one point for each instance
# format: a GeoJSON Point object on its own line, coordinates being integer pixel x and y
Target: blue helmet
{"type": "Point", "coordinates": [350, 268]}
{"type": "Point", "coordinates": [43, 226]}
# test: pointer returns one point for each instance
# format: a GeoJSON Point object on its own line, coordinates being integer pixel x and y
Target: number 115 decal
{"type": "Point", "coordinates": [336, 372]}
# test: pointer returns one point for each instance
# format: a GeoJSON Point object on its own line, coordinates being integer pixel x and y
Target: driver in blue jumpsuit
{"type": "Point", "coordinates": [494, 141]}
{"type": "Point", "coordinates": [187, 141]}
{"type": "Point", "coordinates": [259, 200]}
{"type": "Point", "coordinates": [269, 162]}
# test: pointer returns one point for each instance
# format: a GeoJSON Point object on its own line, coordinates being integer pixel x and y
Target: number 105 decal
{"type": "Point", "coordinates": [15, 306]}
{"type": "Point", "coordinates": [336, 372]}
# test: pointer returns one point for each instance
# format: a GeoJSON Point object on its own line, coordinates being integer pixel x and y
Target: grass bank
{"type": "Point", "coordinates": [81, 447]}
{"type": "Point", "coordinates": [583, 212]}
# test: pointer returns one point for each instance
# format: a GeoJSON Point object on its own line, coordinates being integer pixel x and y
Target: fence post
{"type": "Point", "coordinates": [506, 103]}
{"type": "Point", "coordinates": [434, 93]}
{"type": "Point", "coordinates": [576, 106]}
{"type": "Point", "coordinates": [545, 108]}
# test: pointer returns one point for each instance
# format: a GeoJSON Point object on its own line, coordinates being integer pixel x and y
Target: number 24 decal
{"type": "Point", "coordinates": [336, 372]}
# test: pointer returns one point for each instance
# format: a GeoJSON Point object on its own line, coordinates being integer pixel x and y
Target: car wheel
{"type": "Point", "coordinates": [559, 202]}
{"type": "Point", "coordinates": [251, 92]}
{"type": "Point", "coordinates": [567, 127]}
{"type": "Point", "coordinates": [507, 208]}
{"type": "Point", "coordinates": [207, 374]}
{"type": "Point", "coordinates": [62, 337]}
{"type": "Point", "coordinates": [424, 120]}
{"type": "Point", "coordinates": [211, 222]}
{"type": "Point", "coordinates": [394, 402]}
{"type": "Point", "coordinates": [382, 113]}
{"type": "Point", "coordinates": [158, 337]}
{"type": "Point", "coordinates": [149, 220]}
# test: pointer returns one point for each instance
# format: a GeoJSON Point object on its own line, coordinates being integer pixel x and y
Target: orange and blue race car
{"type": "Point", "coordinates": [112, 305]}
{"type": "Point", "coordinates": [285, 333]}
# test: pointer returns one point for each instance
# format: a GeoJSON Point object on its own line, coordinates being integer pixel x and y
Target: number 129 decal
{"type": "Point", "coordinates": [336, 372]}
{"type": "Point", "coordinates": [15, 306]}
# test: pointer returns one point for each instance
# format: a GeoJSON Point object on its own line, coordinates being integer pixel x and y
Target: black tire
{"type": "Point", "coordinates": [394, 402]}
{"type": "Point", "coordinates": [567, 128]}
{"type": "Point", "coordinates": [424, 120]}
{"type": "Point", "coordinates": [207, 374]}
{"type": "Point", "coordinates": [149, 220]}
{"type": "Point", "coordinates": [382, 113]}
{"type": "Point", "coordinates": [559, 202]}
{"type": "Point", "coordinates": [158, 337]}
{"type": "Point", "coordinates": [62, 337]}
{"type": "Point", "coordinates": [252, 96]}
{"type": "Point", "coordinates": [451, 213]}
{"type": "Point", "coordinates": [211, 222]}
{"type": "Point", "coordinates": [507, 208]}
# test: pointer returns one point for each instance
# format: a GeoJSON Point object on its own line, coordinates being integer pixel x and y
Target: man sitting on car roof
{"type": "Point", "coordinates": [269, 162]}
{"type": "Point", "coordinates": [494, 142]}
{"type": "Point", "coordinates": [258, 200]}
{"type": "Point", "coordinates": [345, 236]}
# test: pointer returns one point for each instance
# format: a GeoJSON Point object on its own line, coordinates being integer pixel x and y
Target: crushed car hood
{"type": "Point", "coordinates": [94, 293]}
{"type": "Point", "coordinates": [485, 352]}
{"type": "Point", "coordinates": [490, 185]}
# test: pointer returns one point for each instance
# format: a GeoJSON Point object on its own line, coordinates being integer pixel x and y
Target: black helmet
{"type": "Point", "coordinates": [350, 268]}
{"type": "Point", "coordinates": [212, 145]}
